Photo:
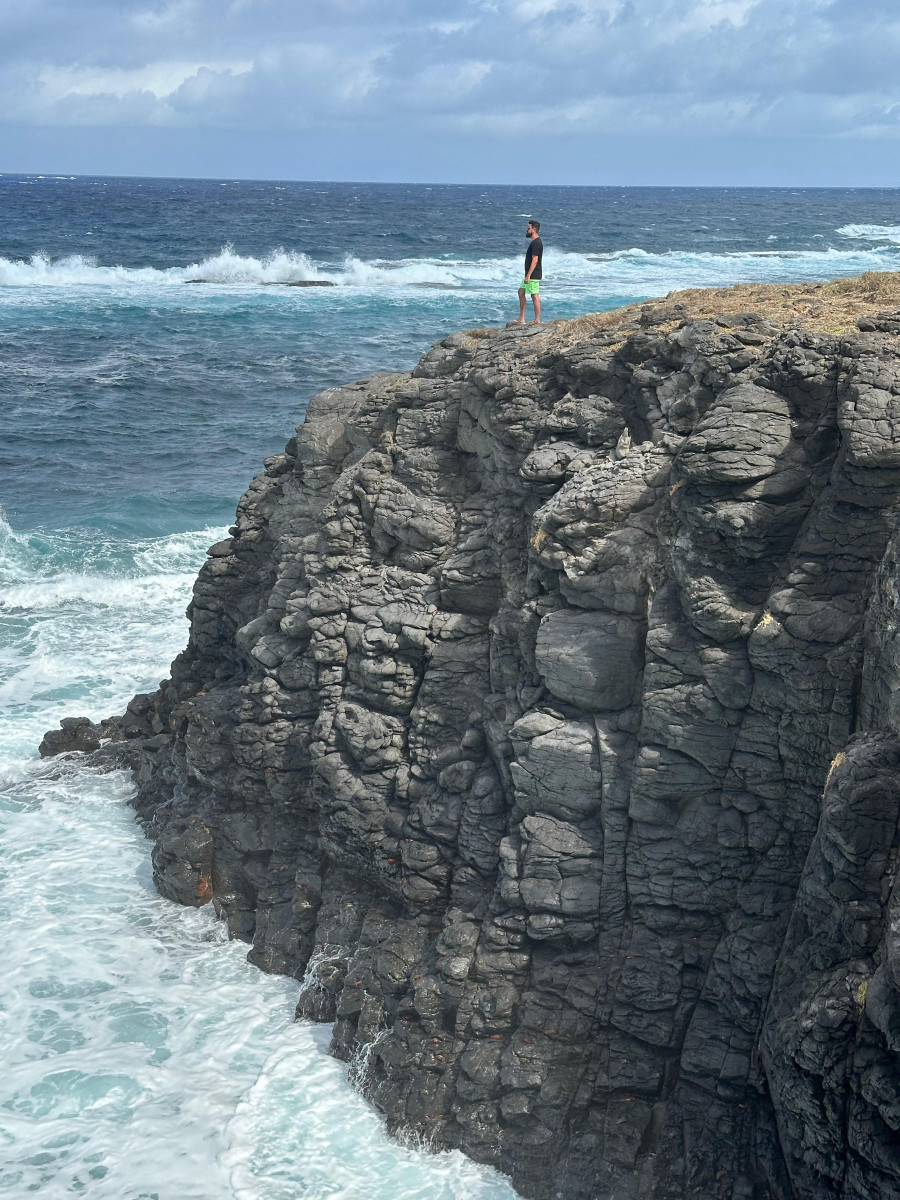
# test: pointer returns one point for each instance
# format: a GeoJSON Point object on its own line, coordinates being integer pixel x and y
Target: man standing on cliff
{"type": "Point", "coordinates": [531, 283]}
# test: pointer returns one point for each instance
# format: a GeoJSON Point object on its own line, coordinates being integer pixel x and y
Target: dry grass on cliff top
{"type": "Point", "coordinates": [821, 307]}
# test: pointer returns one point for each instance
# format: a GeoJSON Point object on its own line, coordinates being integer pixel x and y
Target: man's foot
{"type": "Point", "coordinates": [519, 321]}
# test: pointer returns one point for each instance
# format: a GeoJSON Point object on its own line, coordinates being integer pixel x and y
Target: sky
{"type": "Point", "coordinates": [727, 92]}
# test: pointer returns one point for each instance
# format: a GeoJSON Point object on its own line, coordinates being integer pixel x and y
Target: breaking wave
{"type": "Point", "coordinates": [634, 270]}
{"type": "Point", "coordinates": [871, 233]}
{"type": "Point", "coordinates": [226, 267]}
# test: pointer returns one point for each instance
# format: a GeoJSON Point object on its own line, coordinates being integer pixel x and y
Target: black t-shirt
{"type": "Point", "coordinates": [535, 250]}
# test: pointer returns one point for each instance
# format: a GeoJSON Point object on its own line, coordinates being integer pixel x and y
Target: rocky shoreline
{"type": "Point", "coordinates": [541, 707]}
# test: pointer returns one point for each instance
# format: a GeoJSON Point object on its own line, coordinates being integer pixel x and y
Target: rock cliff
{"type": "Point", "coordinates": [542, 712]}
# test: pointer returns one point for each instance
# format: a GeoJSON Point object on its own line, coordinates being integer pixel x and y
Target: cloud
{"type": "Point", "coordinates": [168, 19]}
{"type": "Point", "coordinates": [160, 79]}
{"type": "Point", "coordinates": [500, 67]}
{"type": "Point", "coordinates": [447, 84]}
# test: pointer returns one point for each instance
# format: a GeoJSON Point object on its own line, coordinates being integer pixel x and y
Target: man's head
{"type": "Point", "coordinates": [534, 228]}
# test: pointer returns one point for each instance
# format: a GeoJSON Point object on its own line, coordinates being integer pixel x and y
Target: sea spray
{"type": "Point", "coordinates": [361, 1062]}
{"type": "Point", "coordinates": [85, 622]}
{"type": "Point", "coordinates": [314, 1000]}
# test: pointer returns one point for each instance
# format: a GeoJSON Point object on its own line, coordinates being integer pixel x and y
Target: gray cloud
{"type": "Point", "coordinates": [567, 67]}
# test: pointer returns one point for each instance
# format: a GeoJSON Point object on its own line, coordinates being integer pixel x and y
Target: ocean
{"type": "Point", "coordinates": [151, 355]}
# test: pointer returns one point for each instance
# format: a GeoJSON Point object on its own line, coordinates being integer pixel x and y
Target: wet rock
{"type": "Point", "coordinates": [74, 734]}
{"type": "Point", "coordinates": [182, 862]}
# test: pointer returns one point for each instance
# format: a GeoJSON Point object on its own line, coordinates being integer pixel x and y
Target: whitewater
{"type": "Point", "coordinates": [633, 271]}
{"type": "Point", "coordinates": [142, 1057]}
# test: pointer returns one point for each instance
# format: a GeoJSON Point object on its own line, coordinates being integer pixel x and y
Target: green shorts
{"type": "Point", "coordinates": [532, 286]}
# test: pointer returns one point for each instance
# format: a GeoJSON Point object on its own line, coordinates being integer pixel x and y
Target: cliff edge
{"type": "Point", "coordinates": [541, 712]}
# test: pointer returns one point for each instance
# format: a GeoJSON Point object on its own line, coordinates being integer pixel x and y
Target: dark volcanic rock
{"type": "Point", "coordinates": [74, 733]}
{"type": "Point", "coordinates": [506, 715]}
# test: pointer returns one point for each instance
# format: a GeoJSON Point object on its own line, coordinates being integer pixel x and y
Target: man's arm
{"type": "Point", "coordinates": [531, 265]}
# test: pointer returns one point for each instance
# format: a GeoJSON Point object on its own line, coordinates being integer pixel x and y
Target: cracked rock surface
{"type": "Point", "coordinates": [543, 707]}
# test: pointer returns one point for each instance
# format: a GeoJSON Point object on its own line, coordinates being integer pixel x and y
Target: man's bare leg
{"type": "Point", "coordinates": [536, 301]}
{"type": "Point", "coordinates": [521, 320]}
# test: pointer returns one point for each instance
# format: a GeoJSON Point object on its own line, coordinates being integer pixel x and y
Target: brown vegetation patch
{"type": "Point", "coordinates": [833, 307]}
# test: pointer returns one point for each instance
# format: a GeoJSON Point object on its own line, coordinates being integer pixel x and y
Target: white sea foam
{"type": "Point", "coordinates": [227, 267]}
{"type": "Point", "coordinates": [85, 623]}
{"type": "Point", "coordinates": [298, 1135]}
{"type": "Point", "coordinates": [58, 561]}
{"type": "Point", "coordinates": [637, 272]}
{"type": "Point", "coordinates": [279, 266]}
{"type": "Point", "coordinates": [144, 1058]}
{"type": "Point", "coordinates": [98, 590]}
{"type": "Point", "coordinates": [40, 270]}
{"type": "Point", "coordinates": [871, 233]}
{"type": "Point", "coordinates": [631, 271]}
{"type": "Point", "coordinates": [409, 272]}
{"type": "Point", "coordinates": [131, 1027]}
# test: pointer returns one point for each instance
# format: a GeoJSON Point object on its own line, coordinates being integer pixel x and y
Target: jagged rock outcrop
{"type": "Point", "coordinates": [507, 714]}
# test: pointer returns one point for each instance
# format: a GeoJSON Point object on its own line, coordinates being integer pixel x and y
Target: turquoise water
{"type": "Point", "coordinates": [142, 1055]}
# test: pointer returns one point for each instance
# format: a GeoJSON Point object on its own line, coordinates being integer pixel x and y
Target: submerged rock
{"type": "Point", "coordinates": [507, 712]}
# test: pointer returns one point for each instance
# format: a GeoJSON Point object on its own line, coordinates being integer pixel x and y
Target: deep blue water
{"type": "Point", "coordinates": [138, 402]}
{"type": "Point", "coordinates": [141, 1058]}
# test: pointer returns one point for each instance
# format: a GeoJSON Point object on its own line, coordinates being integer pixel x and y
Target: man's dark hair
{"type": "Point", "coordinates": [535, 225]}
